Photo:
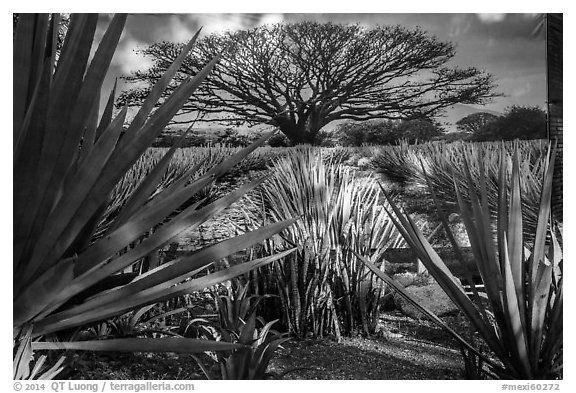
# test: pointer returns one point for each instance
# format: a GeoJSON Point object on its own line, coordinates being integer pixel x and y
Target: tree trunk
{"type": "Point", "coordinates": [301, 132]}
{"type": "Point", "coordinates": [298, 135]}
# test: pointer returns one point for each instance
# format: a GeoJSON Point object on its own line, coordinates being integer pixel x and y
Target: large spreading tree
{"type": "Point", "coordinates": [300, 77]}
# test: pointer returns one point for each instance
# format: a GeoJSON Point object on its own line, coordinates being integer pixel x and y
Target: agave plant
{"type": "Point", "coordinates": [323, 287]}
{"type": "Point", "coordinates": [520, 314]}
{"type": "Point", "coordinates": [67, 162]}
{"type": "Point", "coordinates": [236, 306]}
{"type": "Point", "coordinates": [238, 324]}
{"type": "Point", "coordinates": [183, 160]}
{"type": "Point", "coordinates": [251, 360]}
{"type": "Point", "coordinates": [368, 231]}
{"type": "Point", "coordinates": [440, 163]}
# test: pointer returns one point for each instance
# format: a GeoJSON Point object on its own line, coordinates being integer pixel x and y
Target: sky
{"type": "Point", "coordinates": [504, 45]}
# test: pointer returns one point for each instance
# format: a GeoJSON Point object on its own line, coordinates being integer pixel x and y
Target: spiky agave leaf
{"type": "Point", "coordinates": [67, 165]}
{"type": "Point", "coordinates": [522, 286]}
{"type": "Point", "coordinates": [168, 344]}
{"type": "Point", "coordinates": [339, 212]}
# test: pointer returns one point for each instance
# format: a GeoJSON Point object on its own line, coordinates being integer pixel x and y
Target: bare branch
{"type": "Point", "coordinates": [300, 77]}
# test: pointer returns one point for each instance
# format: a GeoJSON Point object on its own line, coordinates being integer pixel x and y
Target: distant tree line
{"type": "Point", "coordinates": [386, 132]}
{"type": "Point", "coordinates": [229, 137]}
{"type": "Point", "coordinates": [518, 122]}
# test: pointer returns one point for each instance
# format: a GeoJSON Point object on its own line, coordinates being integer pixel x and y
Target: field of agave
{"type": "Point", "coordinates": [95, 208]}
{"type": "Point", "coordinates": [326, 287]}
{"type": "Point", "coordinates": [440, 165]}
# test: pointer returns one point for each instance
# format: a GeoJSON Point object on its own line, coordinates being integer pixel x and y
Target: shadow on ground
{"type": "Point", "coordinates": [374, 358]}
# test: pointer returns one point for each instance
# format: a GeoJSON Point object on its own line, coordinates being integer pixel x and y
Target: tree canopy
{"type": "Point", "coordinates": [300, 77]}
{"type": "Point", "coordinates": [518, 122]}
{"type": "Point", "coordinates": [474, 122]}
{"type": "Point", "coordinates": [384, 132]}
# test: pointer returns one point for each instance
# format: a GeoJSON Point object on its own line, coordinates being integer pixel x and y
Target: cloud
{"type": "Point", "coordinates": [491, 18]}
{"type": "Point", "coordinates": [271, 19]}
{"type": "Point", "coordinates": [460, 24]}
{"type": "Point", "coordinates": [222, 22]}
{"type": "Point", "coordinates": [178, 28]}
{"type": "Point", "coordinates": [126, 58]}
{"type": "Point", "coordinates": [522, 90]}
{"type": "Point", "coordinates": [151, 28]}
{"type": "Point", "coordinates": [216, 23]}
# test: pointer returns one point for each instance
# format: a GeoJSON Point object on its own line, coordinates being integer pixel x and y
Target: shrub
{"type": "Point", "coordinates": [232, 138]}
{"type": "Point", "coordinates": [418, 130]}
{"type": "Point", "coordinates": [325, 139]}
{"type": "Point", "coordinates": [370, 132]}
{"type": "Point", "coordinates": [193, 139]}
{"type": "Point", "coordinates": [279, 140]}
{"type": "Point", "coordinates": [386, 132]}
{"type": "Point", "coordinates": [456, 136]}
{"type": "Point", "coordinates": [474, 122]}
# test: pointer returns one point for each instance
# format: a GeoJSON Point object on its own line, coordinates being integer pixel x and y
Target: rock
{"type": "Point", "coordinates": [364, 163]}
{"type": "Point", "coordinates": [429, 296]}
{"type": "Point", "coordinates": [406, 278]}
{"type": "Point", "coordinates": [423, 279]}
{"type": "Point", "coordinates": [353, 160]}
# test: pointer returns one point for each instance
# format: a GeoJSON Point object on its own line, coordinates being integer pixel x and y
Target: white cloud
{"type": "Point", "coordinates": [178, 28]}
{"type": "Point", "coordinates": [217, 23]}
{"type": "Point", "coordinates": [491, 18]}
{"type": "Point", "coordinates": [126, 58]}
{"type": "Point", "coordinates": [271, 19]}
{"type": "Point", "coordinates": [459, 24]}
{"type": "Point", "coordinates": [214, 23]}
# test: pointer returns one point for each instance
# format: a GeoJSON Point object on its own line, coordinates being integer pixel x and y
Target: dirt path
{"type": "Point", "coordinates": [361, 358]}
{"type": "Point", "coordinates": [406, 349]}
